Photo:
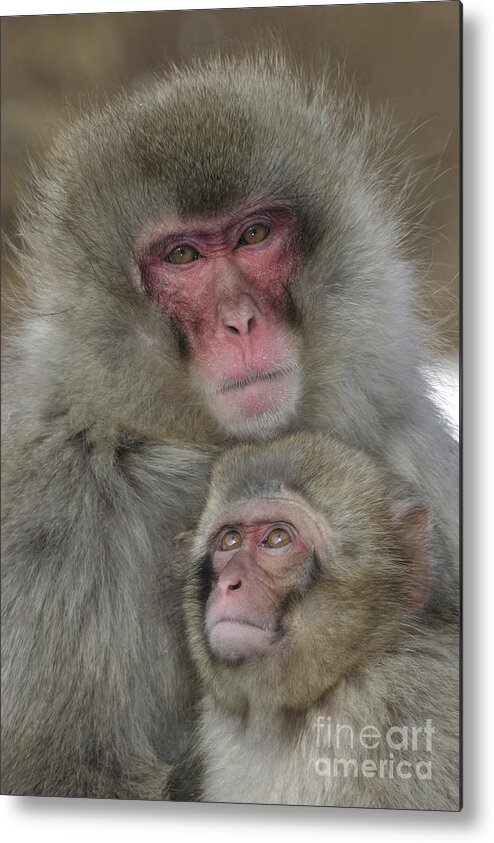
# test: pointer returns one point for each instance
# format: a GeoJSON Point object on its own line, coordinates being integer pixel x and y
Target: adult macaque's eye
{"type": "Point", "coordinates": [279, 537]}
{"type": "Point", "coordinates": [182, 254]}
{"type": "Point", "coordinates": [231, 540]}
{"type": "Point", "coordinates": [254, 234]}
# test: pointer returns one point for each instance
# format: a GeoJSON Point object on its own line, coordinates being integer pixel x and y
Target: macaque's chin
{"type": "Point", "coordinates": [233, 642]}
{"type": "Point", "coordinates": [259, 408]}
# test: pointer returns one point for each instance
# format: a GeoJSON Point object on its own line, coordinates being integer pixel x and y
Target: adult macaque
{"type": "Point", "coordinates": [325, 683]}
{"type": "Point", "coordinates": [212, 258]}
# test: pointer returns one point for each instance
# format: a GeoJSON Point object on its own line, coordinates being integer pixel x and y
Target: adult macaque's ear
{"type": "Point", "coordinates": [411, 525]}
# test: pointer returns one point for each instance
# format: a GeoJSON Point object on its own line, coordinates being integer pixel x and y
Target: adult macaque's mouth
{"type": "Point", "coordinates": [256, 377]}
{"type": "Point", "coordinates": [241, 622]}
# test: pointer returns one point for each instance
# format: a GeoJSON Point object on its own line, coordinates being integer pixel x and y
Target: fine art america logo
{"type": "Point", "coordinates": [399, 752]}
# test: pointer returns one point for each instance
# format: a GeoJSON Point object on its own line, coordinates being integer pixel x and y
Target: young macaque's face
{"type": "Point", "coordinates": [288, 598]}
{"type": "Point", "coordinates": [261, 554]}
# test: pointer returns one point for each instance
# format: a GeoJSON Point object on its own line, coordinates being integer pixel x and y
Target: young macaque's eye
{"type": "Point", "coordinates": [254, 234]}
{"type": "Point", "coordinates": [231, 540]}
{"type": "Point", "coordinates": [279, 537]}
{"type": "Point", "coordinates": [182, 254]}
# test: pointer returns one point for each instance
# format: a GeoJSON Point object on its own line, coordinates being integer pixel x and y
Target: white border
{"type": "Point", "coordinates": [45, 7]}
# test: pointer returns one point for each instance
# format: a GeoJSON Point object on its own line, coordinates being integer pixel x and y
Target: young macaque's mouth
{"type": "Point", "coordinates": [233, 640]}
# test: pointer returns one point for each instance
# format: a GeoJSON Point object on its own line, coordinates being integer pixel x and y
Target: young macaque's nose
{"type": "Point", "coordinates": [230, 580]}
{"type": "Point", "coordinates": [234, 576]}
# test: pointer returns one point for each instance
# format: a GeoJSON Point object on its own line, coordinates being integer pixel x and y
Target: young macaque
{"type": "Point", "coordinates": [325, 682]}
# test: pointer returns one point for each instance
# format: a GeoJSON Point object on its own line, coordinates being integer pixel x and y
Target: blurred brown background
{"type": "Point", "coordinates": [406, 54]}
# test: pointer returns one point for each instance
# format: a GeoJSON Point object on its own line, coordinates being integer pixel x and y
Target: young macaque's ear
{"type": "Point", "coordinates": [179, 561]}
{"type": "Point", "coordinates": [184, 540]}
{"type": "Point", "coordinates": [412, 542]}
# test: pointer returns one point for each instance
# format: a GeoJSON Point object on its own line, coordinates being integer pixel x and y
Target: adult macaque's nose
{"type": "Point", "coordinates": [240, 316]}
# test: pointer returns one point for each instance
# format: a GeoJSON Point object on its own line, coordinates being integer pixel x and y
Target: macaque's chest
{"type": "Point", "coordinates": [261, 763]}
{"type": "Point", "coordinates": [333, 757]}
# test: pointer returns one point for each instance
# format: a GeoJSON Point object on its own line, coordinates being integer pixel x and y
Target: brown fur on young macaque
{"type": "Point", "coordinates": [307, 620]}
{"type": "Point", "coordinates": [214, 257]}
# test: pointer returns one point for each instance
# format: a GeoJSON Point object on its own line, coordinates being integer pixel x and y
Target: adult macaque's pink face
{"type": "Point", "coordinates": [260, 556]}
{"type": "Point", "coordinates": [224, 284]}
